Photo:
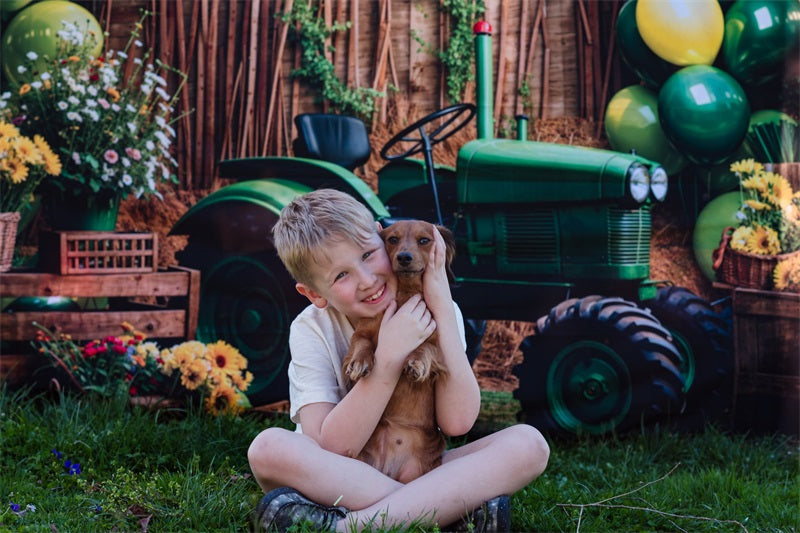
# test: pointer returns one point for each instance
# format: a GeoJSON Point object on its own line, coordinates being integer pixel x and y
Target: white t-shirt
{"type": "Point", "coordinates": [318, 341]}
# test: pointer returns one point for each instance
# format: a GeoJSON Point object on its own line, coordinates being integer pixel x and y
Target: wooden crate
{"type": "Point", "coordinates": [98, 252]}
{"type": "Point", "coordinates": [173, 315]}
{"type": "Point", "coordinates": [766, 327]}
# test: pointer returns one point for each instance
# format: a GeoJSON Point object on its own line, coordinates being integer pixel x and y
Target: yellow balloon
{"type": "Point", "coordinates": [683, 32]}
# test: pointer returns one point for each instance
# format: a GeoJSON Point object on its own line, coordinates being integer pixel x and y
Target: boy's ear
{"type": "Point", "coordinates": [313, 296]}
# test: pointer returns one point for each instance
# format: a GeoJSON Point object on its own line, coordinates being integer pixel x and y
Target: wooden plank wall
{"type": "Point", "coordinates": [239, 57]}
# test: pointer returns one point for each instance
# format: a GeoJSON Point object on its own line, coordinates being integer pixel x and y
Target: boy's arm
{"type": "Point", "coordinates": [458, 398]}
{"type": "Point", "coordinates": [345, 428]}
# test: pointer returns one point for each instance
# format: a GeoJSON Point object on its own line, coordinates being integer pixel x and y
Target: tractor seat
{"type": "Point", "coordinates": [338, 139]}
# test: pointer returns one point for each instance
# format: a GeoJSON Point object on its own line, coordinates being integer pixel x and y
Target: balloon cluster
{"type": "Point", "coordinates": [697, 66]}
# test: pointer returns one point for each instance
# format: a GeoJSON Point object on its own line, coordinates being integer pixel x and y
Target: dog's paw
{"type": "Point", "coordinates": [356, 370]}
{"type": "Point", "coordinates": [416, 370]}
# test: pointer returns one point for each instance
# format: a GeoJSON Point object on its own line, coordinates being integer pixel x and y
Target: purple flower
{"type": "Point", "coordinates": [56, 453]}
{"type": "Point", "coordinates": [14, 507]}
{"type": "Point", "coordinates": [73, 469]}
{"type": "Point", "coordinates": [17, 121]}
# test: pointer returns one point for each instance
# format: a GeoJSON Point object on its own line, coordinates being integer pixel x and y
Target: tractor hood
{"type": "Point", "coordinates": [508, 171]}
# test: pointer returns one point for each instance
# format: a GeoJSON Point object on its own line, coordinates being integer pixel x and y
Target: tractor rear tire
{"type": "Point", "coordinates": [598, 365]}
{"type": "Point", "coordinates": [704, 340]}
{"type": "Point", "coordinates": [248, 301]}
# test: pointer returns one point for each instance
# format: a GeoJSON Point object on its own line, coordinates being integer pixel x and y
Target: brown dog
{"type": "Point", "coordinates": [406, 442]}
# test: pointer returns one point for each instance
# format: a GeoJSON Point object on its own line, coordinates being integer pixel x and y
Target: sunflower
{"type": "Point", "coordinates": [8, 129]}
{"type": "Point", "coordinates": [786, 275]}
{"type": "Point", "coordinates": [755, 183]}
{"type": "Point", "coordinates": [740, 236]}
{"type": "Point", "coordinates": [194, 374]}
{"type": "Point", "coordinates": [27, 151]}
{"type": "Point", "coordinates": [17, 170]}
{"type": "Point", "coordinates": [225, 358]}
{"type": "Point", "coordinates": [52, 164]}
{"type": "Point", "coordinates": [186, 352]}
{"type": "Point", "coordinates": [757, 205]}
{"type": "Point", "coordinates": [242, 382]}
{"type": "Point", "coordinates": [763, 241]}
{"type": "Point", "coordinates": [223, 400]}
{"type": "Point", "coordinates": [749, 166]}
{"type": "Point", "coordinates": [781, 192]}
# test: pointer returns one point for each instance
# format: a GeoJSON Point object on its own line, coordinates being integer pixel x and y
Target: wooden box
{"type": "Point", "coordinates": [98, 252]}
{"type": "Point", "coordinates": [173, 297]}
{"type": "Point", "coordinates": [766, 326]}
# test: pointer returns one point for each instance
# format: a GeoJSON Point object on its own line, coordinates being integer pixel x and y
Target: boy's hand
{"type": "Point", "coordinates": [434, 281]}
{"type": "Point", "coordinates": [403, 330]}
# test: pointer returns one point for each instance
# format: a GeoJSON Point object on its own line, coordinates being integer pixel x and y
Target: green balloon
{"type": "Point", "coordinates": [8, 7]}
{"type": "Point", "coordinates": [719, 179]}
{"type": "Point", "coordinates": [649, 67]}
{"type": "Point", "coordinates": [758, 34]}
{"type": "Point", "coordinates": [718, 214]}
{"type": "Point", "coordinates": [704, 113]}
{"type": "Point", "coordinates": [35, 28]}
{"type": "Point", "coordinates": [631, 123]}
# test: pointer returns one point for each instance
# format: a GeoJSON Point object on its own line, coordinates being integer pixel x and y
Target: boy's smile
{"type": "Point", "coordinates": [355, 279]}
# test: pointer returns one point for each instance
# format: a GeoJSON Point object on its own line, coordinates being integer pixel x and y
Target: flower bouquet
{"type": "Point", "coordinates": [109, 117]}
{"type": "Point", "coordinates": [130, 365]}
{"type": "Point", "coordinates": [24, 162]}
{"type": "Point", "coordinates": [768, 231]}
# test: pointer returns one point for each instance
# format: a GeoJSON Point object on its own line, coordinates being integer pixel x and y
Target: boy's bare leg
{"type": "Point", "coordinates": [501, 463]}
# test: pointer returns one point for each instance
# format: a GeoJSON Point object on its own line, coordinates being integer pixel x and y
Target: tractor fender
{"type": "Point", "coordinates": [239, 217]}
{"type": "Point", "coordinates": [313, 173]}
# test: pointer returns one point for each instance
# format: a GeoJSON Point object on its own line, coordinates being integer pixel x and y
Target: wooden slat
{"type": "Point", "coordinates": [15, 284]}
{"type": "Point", "coordinates": [167, 323]}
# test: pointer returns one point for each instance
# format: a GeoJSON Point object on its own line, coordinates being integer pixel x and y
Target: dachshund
{"type": "Point", "coordinates": [407, 441]}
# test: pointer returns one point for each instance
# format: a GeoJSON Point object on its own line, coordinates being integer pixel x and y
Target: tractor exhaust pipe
{"type": "Point", "coordinates": [483, 74]}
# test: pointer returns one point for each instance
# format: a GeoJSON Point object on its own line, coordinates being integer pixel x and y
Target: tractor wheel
{"type": "Point", "coordinates": [246, 301]}
{"type": "Point", "coordinates": [703, 339]}
{"type": "Point", "coordinates": [597, 365]}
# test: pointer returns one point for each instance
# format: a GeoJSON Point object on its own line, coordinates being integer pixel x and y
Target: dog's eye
{"type": "Point", "coordinates": [423, 241]}
{"type": "Point", "coordinates": [392, 240]}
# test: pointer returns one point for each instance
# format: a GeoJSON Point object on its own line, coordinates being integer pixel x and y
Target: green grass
{"type": "Point", "coordinates": [185, 471]}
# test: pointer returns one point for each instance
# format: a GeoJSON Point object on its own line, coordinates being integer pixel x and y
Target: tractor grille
{"type": "Point", "coordinates": [629, 236]}
{"type": "Point", "coordinates": [527, 242]}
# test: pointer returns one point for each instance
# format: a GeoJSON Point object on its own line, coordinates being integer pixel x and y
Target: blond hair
{"type": "Point", "coordinates": [314, 220]}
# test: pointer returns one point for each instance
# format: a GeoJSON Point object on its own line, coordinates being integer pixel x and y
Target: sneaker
{"type": "Point", "coordinates": [492, 516]}
{"type": "Point", "coordinates": [284, 507]}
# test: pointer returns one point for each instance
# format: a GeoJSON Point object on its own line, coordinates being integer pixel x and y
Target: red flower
{"type": "Point", "coordinates": [134, 391]}
{"type": "Point", "coordinates": [119, 348]}
{"type": "Point", "coordinates": [90, 351]}
{"type": "Point", "coordinates": [131, 342]}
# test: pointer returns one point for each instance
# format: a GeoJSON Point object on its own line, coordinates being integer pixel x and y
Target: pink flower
{"type": "Point", "coordinates": [103, 103]}
{"type": "Point", "coordinates": [76, 157]}
{"type": "Point", "coordinates": [133, 153]}
{"type": "Point", "coordinates": [111, 156]}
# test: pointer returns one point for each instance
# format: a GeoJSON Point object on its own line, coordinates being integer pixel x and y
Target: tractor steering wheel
{"type": "Point", "coordinates": [425, 139]}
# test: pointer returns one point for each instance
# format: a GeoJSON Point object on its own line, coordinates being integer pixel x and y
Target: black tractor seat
{"type": "Point", "coordinates": [338, 139]}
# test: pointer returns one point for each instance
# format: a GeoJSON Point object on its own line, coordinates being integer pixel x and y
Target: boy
{"type": "Point", "coordinates": [330, 244]}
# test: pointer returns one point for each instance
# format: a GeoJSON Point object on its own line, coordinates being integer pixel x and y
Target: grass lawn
{"type": "Point", "coordinates": [182, 470]}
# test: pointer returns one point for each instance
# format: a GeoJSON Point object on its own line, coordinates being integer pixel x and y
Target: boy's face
{"type": "Point", "coordinates": [356, 280]}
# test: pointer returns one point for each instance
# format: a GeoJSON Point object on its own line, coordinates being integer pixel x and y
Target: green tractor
{"type": "Point", "coordinates": [546, 233]}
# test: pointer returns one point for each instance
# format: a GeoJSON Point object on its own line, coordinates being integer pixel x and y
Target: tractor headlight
{"type": "Point", "coordinates": [639, 182]}
{"type": "Point", "coordinates": [659, 184]}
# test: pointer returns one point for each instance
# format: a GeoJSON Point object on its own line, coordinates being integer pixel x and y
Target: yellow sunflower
{"type": "Point", "coordinates": [757, 205]}
{"type": "Point", "coordinates": [223, 400]}
{"type": "Point", "coordinates": [781, 192]}
{"type": "Point", "coordinates": [740, 236]}
{"type": "Point", "coordinates": [17, 170]}
{"type": "Point", "coordinates": [786, 275]}
{"type": "Point", "coordinates": [749, 166]}
{"type": "Point", "coordinates": [755, 183]}
{"type": "Point", "coordinates": [242, 382]}
{"type": "Point", "coordinates": [27, 151]}
{"type": "Point", "coordinates": [8, 130]}
{"type": "Point", "coordinates": [52, 164]}
{"type": "Point", "coordinates": [225, 358]}
{"type": "Point", "coordinates": [763, 241]}
{"type": "Point", "coordinates": [194, 374]}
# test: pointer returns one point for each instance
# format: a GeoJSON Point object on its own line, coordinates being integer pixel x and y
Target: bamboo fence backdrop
{"type": "Point", "coordinates": [239, 57]}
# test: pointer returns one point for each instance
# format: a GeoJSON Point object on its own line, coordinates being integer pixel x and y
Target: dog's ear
{"type": "Point", "coordinates": [450, 246]}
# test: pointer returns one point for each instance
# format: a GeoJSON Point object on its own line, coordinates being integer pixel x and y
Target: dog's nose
{"type": "Point", "coordinates": [404, 258]}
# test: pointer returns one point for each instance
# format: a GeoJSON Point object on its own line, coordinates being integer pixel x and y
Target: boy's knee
{"type": "Point", "coordinates": [531, 448]}
{"type": "Point", "coordinates": [266, 447]}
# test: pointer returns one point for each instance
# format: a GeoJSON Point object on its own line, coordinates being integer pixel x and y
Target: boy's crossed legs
{"type": "Point", "coordinates": [500, 463]}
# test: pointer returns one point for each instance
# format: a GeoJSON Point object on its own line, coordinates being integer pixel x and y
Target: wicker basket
{"type": "Point", "coordinates": [742, 269]}
{"type": "Point", "coordinates": [8, 237]}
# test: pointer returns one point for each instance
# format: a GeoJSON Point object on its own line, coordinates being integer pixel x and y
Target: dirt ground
{"type": "Point", "coordinates": [671, 250]}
